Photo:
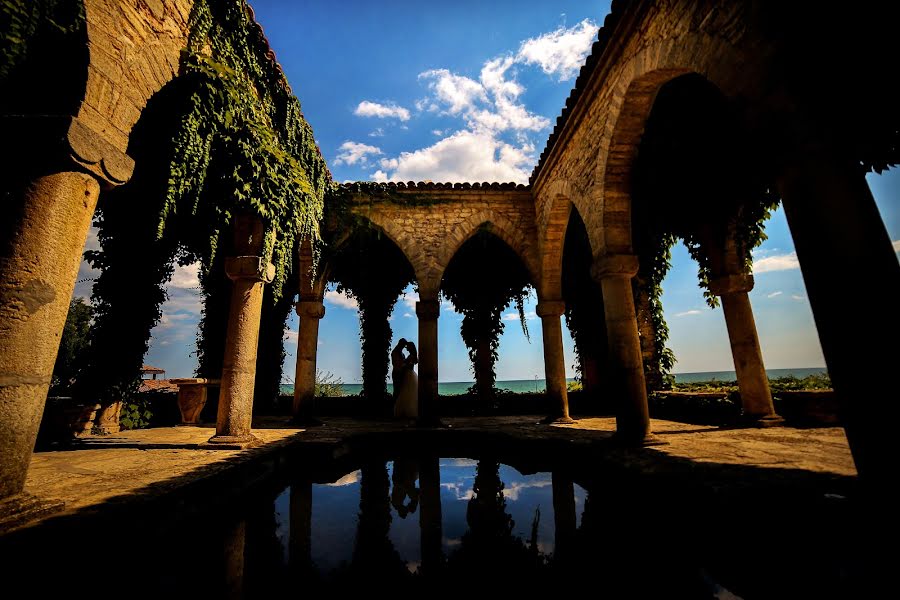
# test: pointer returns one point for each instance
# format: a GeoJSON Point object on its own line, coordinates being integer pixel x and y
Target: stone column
{"type": "Point", "coordinates": [428, 310]}
{"type": "Point", "coordinates": [852, 277]}
{"type": "Point", "coordinates": [311, 312]}
{"type": "Point", "coordinates": [233, 545]}
{"type": "Point", "coordinates": [613, 273]}
{"type": "Point", "coordinates": [248, 273]}
{"type": "Point", "coordinates": [50, 195]}
{"type": "Point", "coordinates": [756, 397]}
{"type": "Point", "coordinates": [554, 362]}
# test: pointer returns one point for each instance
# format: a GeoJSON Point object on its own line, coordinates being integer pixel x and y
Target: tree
{"type": "Point", "coordinates": [73, 347]}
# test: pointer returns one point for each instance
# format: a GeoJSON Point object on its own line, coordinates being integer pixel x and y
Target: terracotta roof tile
{"type": "Point", "coordinates": [157, 385]}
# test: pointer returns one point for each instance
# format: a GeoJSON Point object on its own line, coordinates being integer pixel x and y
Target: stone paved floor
{"type": "Point", "coordinates": [98, 469]}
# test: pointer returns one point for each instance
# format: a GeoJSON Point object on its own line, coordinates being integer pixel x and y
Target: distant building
{"type": "Point", "coordinates": [147, 370]}
{"type": "Point", "coordinates": [149, 382]}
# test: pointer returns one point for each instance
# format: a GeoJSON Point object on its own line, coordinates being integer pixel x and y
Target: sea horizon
{"type": "Point", "coordinates": [451, 388]}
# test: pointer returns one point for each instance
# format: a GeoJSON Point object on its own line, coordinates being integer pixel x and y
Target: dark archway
{"type": "Point", "coordinates": [371, 268]}
{"type": "Point", "coordinates": [481, 280]}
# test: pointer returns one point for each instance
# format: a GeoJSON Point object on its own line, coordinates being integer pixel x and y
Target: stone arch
{"type": "Point", "coordinates": [607, 209]}
{"type": "Point", "coordinates": [408, 246]}
{"type": "Point", "coordinates": [553, 225]}
{"type": "Point", "coordinates": [133, 52]}
{"type": "Point", "coordinates": [499, 226]}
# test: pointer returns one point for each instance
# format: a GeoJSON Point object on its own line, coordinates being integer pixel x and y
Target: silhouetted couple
{"type": "Point", "coordinates": [406, 384]}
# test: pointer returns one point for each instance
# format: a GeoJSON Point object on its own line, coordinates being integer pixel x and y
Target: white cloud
{"type": "Point", "coordinates": [407, 315]}
{"type": "Point", "coordinates": [381, 111]}
{"type": "Point", "coordinates": [773, 294]}
{"type": "Point", "coordinates": [458, 91]}
{"type": "Point", "coordinates": [378, 132]}
{"type": "Point", "coordinates": [780, 262]}
{"type": "Point", "coordinates": [355, 152]}
{"type": "Point", "coordinates": [348, 479]}
{"type": "Point", "coordinates": [379, 176]}
{"type": "Point", "coordinates": [438, 132]}
{"type": "Point", "coordinates": [291, 336]}
{"type": "Point", "coordinates": [560, 52]}
{"type": "Point", "coordinates": [798, 297]}
{"type": "Point", "coordinates": [464, 156]}
{"type": "Point", "coordinates": [410, 299]}
{"type": "Point", "coordinates": [514, 316]}
{"type": "Point", "coordinates": [341, 300]}
{"type": "Point", "coordinates": [512, 491]}
{"type": "Point", "coordinates": [687, 313]}
{"type": "Point", "coordinates": [896, 244]}
{"type": "Point", "coordinates": [186, 277]}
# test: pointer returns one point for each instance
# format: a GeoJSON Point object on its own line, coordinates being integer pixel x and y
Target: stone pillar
{"type": "Point", "coordinates": [51, 191]}
{"type": "Point", "coordinates": [852, 276]}
{"type": "Point", "coordinates": [428, 310]}
{"type": "Point", "coordinates": [554, 362]}
{"type": "Point", "coordinates": [232, 576]}
{"type": "Point", "coordinates": [310, 312]}
{"type": "Point", "coordinates": [613, 273]}
{"type": "Point", "coordinates": [248, 273]}
{"type": "Point", "coordinates": [756, 397]}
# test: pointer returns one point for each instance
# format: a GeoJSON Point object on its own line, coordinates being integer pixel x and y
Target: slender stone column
{"type": "Point", "coordinates": [50, 192]}
{"type": "Point", "coordinates": [756, 397]}
{"type": "Point", "coordinates": [248, 273]}
{"type": "Point", "coordinates": [428, 310]}
{"type": "Point", "coordinates": [554, 362]}
{"type": "Point", "coordinates": [310, 312]}
{"type": "Point", "coordinates": [852, 278]}
{"type": "Point", "coordinates": [614, 273]}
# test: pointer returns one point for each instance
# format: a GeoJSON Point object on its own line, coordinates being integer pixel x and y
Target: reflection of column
{"type": "Point", "coordinates": [756, 397]}
{"type": "Point", "coordinates": [249, 271]}
{"type": "Point", "coordinates": [300, 549]}
{"type": "Point", "coordinates": [48, 204]}
{"type": "Point", "coordinates": [614, 273]}
{"type": "Point", "coordinates": [374, 555]}
{"type": "Point", "coordinates": [554, 362]}
{"type": "Point", "coordinates": [428, 310]}
{"type": "Point", "coordinates": [852, 276]}
{"type": "Point", "coordinates": [564, 517]}
{"type": "Point", "coordinates": [310, 313]}
{"type": "Point", "coordinates": [235, 540]}
{"type": "Point", "coordinates": [430, 515]}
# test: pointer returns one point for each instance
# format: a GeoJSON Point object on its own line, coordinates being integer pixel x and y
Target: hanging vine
{"type": "Point", "coordinates": [481, 289]}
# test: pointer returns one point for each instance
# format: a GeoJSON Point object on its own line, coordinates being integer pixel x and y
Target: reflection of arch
{"type": "Point", "coordinates": [609, 223]}
{"type": "Point", "coordinates": [129, 63]}
{"type": "Point", "coordinates": [498, 225]}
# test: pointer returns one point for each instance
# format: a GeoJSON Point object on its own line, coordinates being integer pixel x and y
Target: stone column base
{"type": "Point", "coordinates": [763, 421]}
{"type": "Point", "coordinates": [630, 441]}
{"type": "Point", "coordinates": [20, 509]}
{"type": "Point", "coordinates": [231, 442]}
{"type": "Point", "coordinates": [551, 420]}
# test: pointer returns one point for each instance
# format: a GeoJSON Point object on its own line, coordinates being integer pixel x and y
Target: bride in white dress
{"type": "Point", "coordinates": [406, 384]}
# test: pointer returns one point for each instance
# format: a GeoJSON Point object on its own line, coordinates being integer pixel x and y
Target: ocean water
{"type": "Point", "coordinates": [452, 388]}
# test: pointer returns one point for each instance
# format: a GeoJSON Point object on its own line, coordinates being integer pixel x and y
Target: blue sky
{"type": "Point", "coordinates": [469, 91]}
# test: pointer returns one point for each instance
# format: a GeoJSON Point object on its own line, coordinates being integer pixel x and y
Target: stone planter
{"type": "Point", "coordinates": [107, 420]}
{"type": "Point", "coordinates": [65, 419]}
{"type": "Point", "coordinates": [192, 394]}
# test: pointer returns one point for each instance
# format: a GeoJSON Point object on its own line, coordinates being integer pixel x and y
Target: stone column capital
{"type": "Point", "coordinates": [428, 309]}
{"type": "Point", "coordinates": [63, 142]}
{"type": "Point", "coordinates": [550, 308]}
{"type": "Point", "coordinates": [310, 309]}
{"type": "Point", "coordinates": [249, 267]}
{"type": "Point", "coordinates": [614, 265]}
{"type": "Point", "coordinates": [731, 284]}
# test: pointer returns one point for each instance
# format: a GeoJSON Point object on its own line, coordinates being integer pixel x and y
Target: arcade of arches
{"type": "Point", "coordinates": [668, 134]}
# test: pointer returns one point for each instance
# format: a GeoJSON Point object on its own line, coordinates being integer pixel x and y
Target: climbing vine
{"type": "Point", "coordinates": [481, 289]}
